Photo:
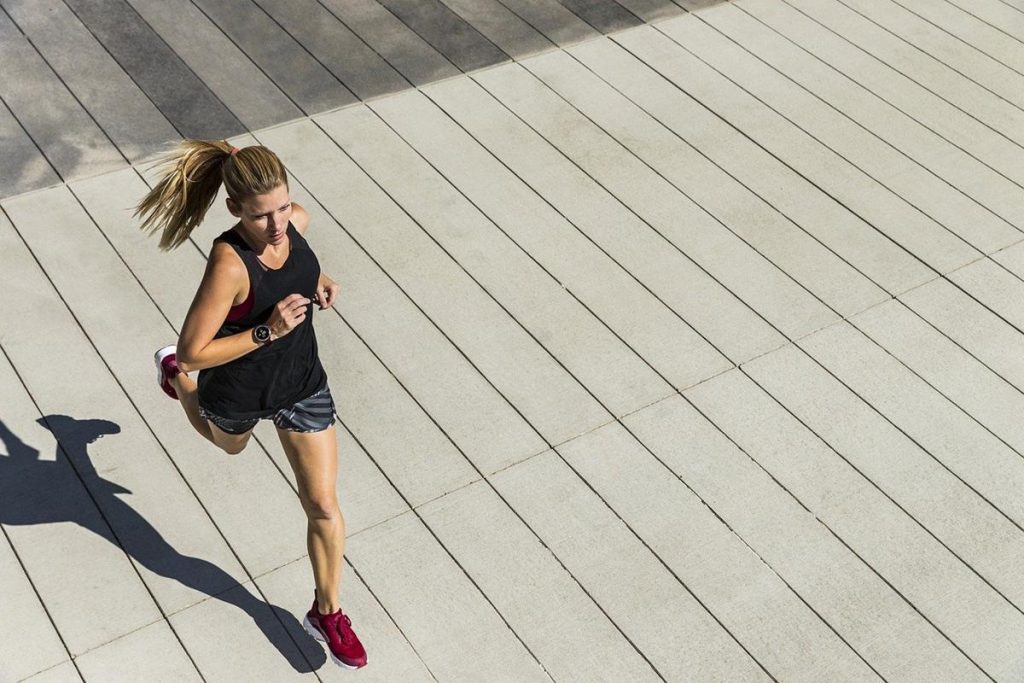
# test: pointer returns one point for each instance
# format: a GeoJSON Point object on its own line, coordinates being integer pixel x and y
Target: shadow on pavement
{"type": "Point", "coordinates": [28, 496]}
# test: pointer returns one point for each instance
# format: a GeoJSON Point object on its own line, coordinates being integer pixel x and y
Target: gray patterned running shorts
{"type": "Point", "coordinates": [312, 414]}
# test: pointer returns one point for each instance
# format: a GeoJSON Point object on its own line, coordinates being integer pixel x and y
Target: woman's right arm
{"type": "Point", "coordinates": [224, 279]}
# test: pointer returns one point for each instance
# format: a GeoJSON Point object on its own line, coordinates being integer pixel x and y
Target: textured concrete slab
{"type": "Point", "coordinates": [506, 30]}
{"type": "Point", "coordinates": [336, 47]}
{"type": "Point", "coordinates": [667, 273]}
{"type": "Point", "coordinates": [744, 157]}
{"type": "Point", "coordinates": [984, 198]}
{"type": "Point", "coordinates": [644, 599]}
{"type": "Point", "coordinates": [951, 436]}
{"type": "Point", "coordinates": [944, 48]}
{"type": "Point", "coordinates": [841, 588]}
{"type": "Point", "coordinates": [64, 673]}
{"type": "Point", "coordinates": [57, 124]}
{"type": "Point", "coordinates": [306, 82]}
{"type": "Point", "coordinates": [462, 44]}
{"type": "Point", "coordinates": [748, 599]}
{"type": "Point", "coordinates": [421, 587]}
{"type": "Point", "coordinates": [961, 519]}
{"type": "Point", "coordinates": [613, 372]}
{"type": "Point", "coordinates": [604, 15]}
{"type": "Point", "coordinates": [112, 98]}
{"type": "Point", "coordinates": [554, 20]}
{"type": "Point", "coordinates": [557, 619]}
{"type": "Point", "coordinates": [409, 54]}
{"type": "Point", "coordinates": [971, 97]}
{"type": "Point", "coordinates": [141, 654]}
{"type": "Point", "coordinates": [638, 319]}
{"type": "Point", "coordinates": [945, 118]}
{"type": "Point", "coordinates": [30, 641]}
{"type": "Point", "coordinates": [731, 261]}
{"type": "Point", "coordinates": [186, 102]}
{"type": "Point", "coordinates": [237, 81]}
{"type": "Point", "coordinates": [25, 166]}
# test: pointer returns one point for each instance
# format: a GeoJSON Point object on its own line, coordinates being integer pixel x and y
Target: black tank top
{"type": "Point", "coordinates": [283, 372]}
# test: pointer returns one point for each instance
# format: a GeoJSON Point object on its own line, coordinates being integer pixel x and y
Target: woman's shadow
{"type": "Point", "coordinates": [26, 497]}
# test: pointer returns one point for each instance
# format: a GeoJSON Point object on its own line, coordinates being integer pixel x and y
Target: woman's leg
{"type": "Point", "coordinates": [188, 395]}
{"type": "Point", "coordinates": [314, 459]}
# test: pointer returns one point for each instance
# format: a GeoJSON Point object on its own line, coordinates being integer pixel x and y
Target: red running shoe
{"type": "Point", "coordinates": [166, 369]}
{"type": "Point", "coordinates": [336, 630]}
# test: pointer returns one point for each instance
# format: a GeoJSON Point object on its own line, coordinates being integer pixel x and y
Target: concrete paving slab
{"type": "Point", "coordinates": [112, 98]}
{"type": "Point", "coordinates": [760, 226]}
{"type": "Point", "coordinates": [30, 640]}
{"type": "Point", "coordinates": [938, 584]}
{"type": "Point", "coordinates": [1002, 15]}
{"type": "Point", "coordinates": [605, 16]}
{"type": "Point", "coordinates": [984, 197]}
{"type": "Point", "coordinates": [422, 588]}
{"type": "Point", "coordinates": [25, 167]}
{"type": "Point", "coordinates": [479, 420]}
{"type": "Point", "coordinates": [963, 521]}
{"type": "Point", "coordinates": [241, 85]}
{"type": "Point", "coordinates": [998, 114]}
{"type": "Point", "coordinates": [409, 54]}
{"type": "Point", "coordinates": [731, 581]}
{"type": "Point", "coordinates": [978, 391]}
{"type": "Point", "coordinates": [981, 35]}
{"type": "Point", "coordinates": [592, 354]}
{"type": "Point", "coordinates": [995, 287]}
{"type": "Point", "coordinates": [239, 636]}
{"type": "Point", "coordinates": [557, 619]}
{"type": "Point", "coordinates": [139, 655]}
{"type": "Point", "coordinates": [311, 86]}
{"type": "Point", "coordinates": [649, 605]}
{"type": "Point", "coordinates": [945, 48]}
{"type": "Point", "coordinates": [642, 322]}
{"type": "Point", "coordinates": [185, 100]}
{"type": "Point", "coordinates": [390, 657]}
{"type": "Point", "coordinates": [973, 327]}
{"type": "Point", "coordinates": [858, 169]}
{"type": "Point", "coordinates": [446, 32]}
{"type": "Point", "coordinates": [553, 19]}
{"type": "Point", "coordinates": [71, 142]}
{"type": "Point", "coordinates": [500, 349]}
{"type": "Point", "coordinates": [784, 302]}
{"type": "Point", "coordinates": [843, 590]}
{"type": "Point", "coordinates": [951, 436]}
{"type": "Point", "coordinates": [64, 673]}
{"type": "Point", "coordinates": [810, 202]}
{"type": "Point", "coordinates": [728, 323]}
{"type": "Point", "coordinates": [498, 24]}
{"type": "Point", "coordinates": [331, 42]}
{"type": "Point", "coordinates": [859, 64]}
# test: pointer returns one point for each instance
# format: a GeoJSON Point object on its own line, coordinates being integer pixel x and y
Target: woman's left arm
{"type": "Point", "coordinates": [326, 288]}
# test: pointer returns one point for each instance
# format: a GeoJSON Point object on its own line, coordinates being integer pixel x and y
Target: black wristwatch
{"type": "Point", "coordinates": [261, 334]}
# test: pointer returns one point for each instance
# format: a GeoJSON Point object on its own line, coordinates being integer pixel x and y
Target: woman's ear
{"type": "Point", "coordinates": [233, 207]}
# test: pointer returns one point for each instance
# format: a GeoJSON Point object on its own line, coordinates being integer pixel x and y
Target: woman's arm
{"type": "Point", "coordinates": [223, 281]}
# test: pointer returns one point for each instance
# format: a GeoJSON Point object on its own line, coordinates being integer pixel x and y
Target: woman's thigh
{"type": "Point", "coordinates": [314, 459]}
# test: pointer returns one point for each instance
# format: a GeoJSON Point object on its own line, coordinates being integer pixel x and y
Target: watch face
{"type": "Point", "coordinates": [262, 333]}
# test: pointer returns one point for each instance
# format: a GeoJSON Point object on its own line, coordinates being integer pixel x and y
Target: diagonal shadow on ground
{"type": "Point", "coordinates": [27, 497]}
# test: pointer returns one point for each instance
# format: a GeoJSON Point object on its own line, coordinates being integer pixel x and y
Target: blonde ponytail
{"type": "Point", "coordinates": [191, 176]}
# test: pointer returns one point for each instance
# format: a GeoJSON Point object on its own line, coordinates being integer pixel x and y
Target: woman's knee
{"type": "Point", "coordinates": [322, 507]}
{"type": "Point", "coordinates": [232, 444]}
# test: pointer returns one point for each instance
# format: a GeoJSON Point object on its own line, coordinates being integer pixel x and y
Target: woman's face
{"type": "Point", "coordinates": [264, 217]}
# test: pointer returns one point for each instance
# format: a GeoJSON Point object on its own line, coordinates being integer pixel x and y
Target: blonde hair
{"type": "Point", "coordinates": [192, 174]}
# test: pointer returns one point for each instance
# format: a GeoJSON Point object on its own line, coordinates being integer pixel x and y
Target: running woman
{"type": "Point", "coordinates": [250, 335]}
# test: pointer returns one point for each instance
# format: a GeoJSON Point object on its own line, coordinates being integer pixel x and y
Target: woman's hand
{"type": "Point", "coordinates": [287, 315]}
{"type": "Point", "coordinates": [326, 292]}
